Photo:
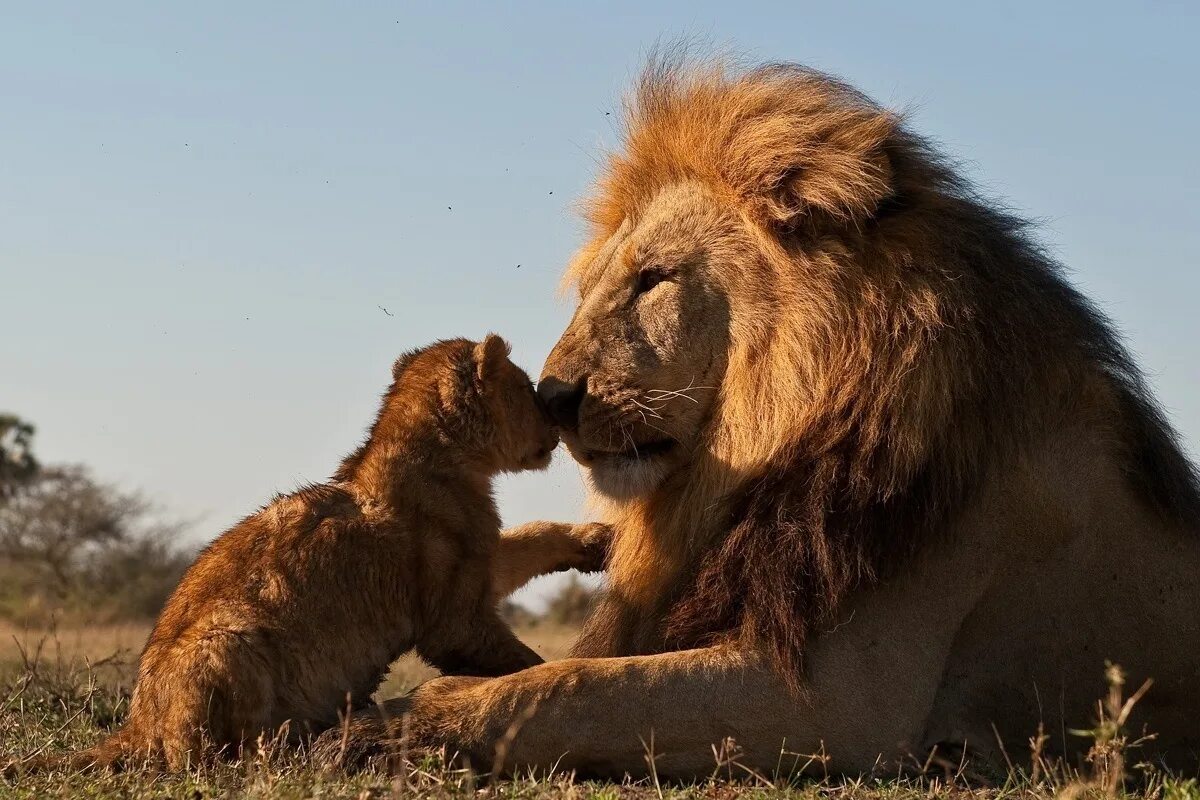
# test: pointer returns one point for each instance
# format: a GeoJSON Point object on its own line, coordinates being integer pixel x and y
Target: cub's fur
{"type": "Point", "coordinates": [311, 598]}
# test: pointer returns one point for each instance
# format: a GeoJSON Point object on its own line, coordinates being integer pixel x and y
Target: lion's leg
{"type": "Point", "coordinates": [614, 716]}
{"type": "Point", "coordinates": [609, 716]}
{"type": "Point", "coordinates": [538, 548]}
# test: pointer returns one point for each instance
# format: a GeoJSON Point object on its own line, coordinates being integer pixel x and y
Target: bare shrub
{"type": "Point", "coordinates": [573, 603]}
{"type": "Point", "coordinates": [17, 464]}
{"type": "Point", "coordinates": [70, 544]}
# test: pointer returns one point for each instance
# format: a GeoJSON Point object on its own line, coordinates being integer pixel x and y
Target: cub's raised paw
{"type": "Point", "coordinates": [595, 540]}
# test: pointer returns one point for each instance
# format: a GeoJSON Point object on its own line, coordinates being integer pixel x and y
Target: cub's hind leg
{"type": "Point", "coordinates": [219, 703]}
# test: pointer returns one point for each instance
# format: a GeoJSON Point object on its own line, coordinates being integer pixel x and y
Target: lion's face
{"type": "Point", "coordinates": [635, 376]}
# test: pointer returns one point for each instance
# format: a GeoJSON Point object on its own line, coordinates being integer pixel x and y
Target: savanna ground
{"type": "Point", "coordinates": [62, 689]}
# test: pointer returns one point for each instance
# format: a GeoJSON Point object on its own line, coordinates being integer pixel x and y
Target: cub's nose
{"type": "Point", "coordinates": [562, 400]}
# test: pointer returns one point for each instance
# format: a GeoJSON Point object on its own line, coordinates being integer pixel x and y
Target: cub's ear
{"type": "Point", "coordinates": [489, 355]}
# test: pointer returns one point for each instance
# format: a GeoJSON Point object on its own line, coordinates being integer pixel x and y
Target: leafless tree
{"type": "Point", "coordinates": [17, 464]}
{"type": "Point", "coordinates": [69, 540]}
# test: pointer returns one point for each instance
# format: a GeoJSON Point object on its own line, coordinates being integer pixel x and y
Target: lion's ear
{"type": "Point", "coordinates": [489, 355]}
{"type": "Point", "coordinates": [842, 172]}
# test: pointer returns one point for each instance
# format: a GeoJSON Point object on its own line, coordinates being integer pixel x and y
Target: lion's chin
{"type": "Point", "coordinates": [622, 476]}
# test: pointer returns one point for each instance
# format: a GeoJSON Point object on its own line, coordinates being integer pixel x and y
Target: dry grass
{"type": "Point", "coordinates": [111, 651]}
{"type": "Point", "coordinates": [107, 644]}
{"type": "Point", "coordinates": [62, 689]}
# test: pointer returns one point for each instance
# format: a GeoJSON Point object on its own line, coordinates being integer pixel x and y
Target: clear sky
{"type": "Point", "coordinates": [204, 206]}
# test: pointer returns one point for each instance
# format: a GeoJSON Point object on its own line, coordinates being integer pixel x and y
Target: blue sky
{"type": "Point", "coordinates": [204, 206]}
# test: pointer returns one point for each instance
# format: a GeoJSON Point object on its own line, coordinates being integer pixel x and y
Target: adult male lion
{"type": "Point", "coordinates": [880, 478]}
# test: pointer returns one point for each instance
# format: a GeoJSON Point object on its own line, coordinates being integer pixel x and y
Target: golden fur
{"type": "Point", "coordinates": [300, 608]}
{"type": "Point", "coordinates": [880, 479]}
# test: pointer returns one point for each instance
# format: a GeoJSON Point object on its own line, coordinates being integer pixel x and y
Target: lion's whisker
{"type": "Point", "coordinates": [629, 437]}
{"type": "Point", "coordinates": [653, 411]}
{"type": "Point", "coordinates": [664, 394]}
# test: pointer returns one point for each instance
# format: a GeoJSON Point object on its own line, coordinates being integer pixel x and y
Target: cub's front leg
{"type": "Point", "coordinates": [539, 548]}
{"type": "Point", "coordinates": [486, 647]}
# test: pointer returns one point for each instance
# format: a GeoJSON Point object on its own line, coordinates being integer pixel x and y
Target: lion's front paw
{"type": "Point", "coordinates": [367, 736]}
{"type": "Point", "coordinates": [411, 728]}
{"type": "Point", "coordinates": [352, 748]}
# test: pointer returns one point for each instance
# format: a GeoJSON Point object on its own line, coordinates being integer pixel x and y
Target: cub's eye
{"type": "Point", "coordinates": [648, 278]}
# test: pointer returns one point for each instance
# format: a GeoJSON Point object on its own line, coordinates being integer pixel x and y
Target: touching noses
{"type": "Point", "coordinates": [562, 400]}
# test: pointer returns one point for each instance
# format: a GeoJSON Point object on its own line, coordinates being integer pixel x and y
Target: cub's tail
{"type": "Point", "coordinates": [115, 753]}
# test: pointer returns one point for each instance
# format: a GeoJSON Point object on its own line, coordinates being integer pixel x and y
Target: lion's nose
{"type": "Point", "coordinates": [562, 400]}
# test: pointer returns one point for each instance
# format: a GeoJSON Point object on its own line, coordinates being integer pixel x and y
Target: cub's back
{"type": "Point", "coordinates": [308, 594]}
{"type": "Point", "coordinates": [292, 575]}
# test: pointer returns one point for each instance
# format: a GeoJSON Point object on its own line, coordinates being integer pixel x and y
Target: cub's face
{"type": "Point", "coordinates": [524, 437]}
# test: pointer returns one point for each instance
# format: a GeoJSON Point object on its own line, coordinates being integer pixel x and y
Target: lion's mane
{"type": "Point", "coordinates": [922, 339]}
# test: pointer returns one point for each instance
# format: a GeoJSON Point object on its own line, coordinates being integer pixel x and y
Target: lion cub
{"type": "Point", "coordinates": [311, 598]}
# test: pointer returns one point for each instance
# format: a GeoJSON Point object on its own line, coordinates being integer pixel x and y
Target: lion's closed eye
{"type": "Point", "coordinates": [649, 277]}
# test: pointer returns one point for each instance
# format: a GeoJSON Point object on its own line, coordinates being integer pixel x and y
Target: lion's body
{"type": "Point", "coordinates": [880, 478]}
{"type": "Point", "coordinates": [1079, 573]}
{"type": "Point", "coordinates": [298, 610]}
